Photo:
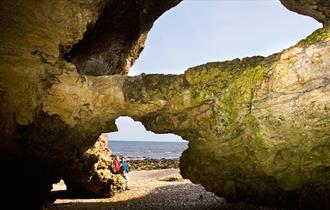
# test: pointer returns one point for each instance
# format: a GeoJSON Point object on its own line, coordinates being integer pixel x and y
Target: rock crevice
{"type": "Point", "coordinates": [111, 45]}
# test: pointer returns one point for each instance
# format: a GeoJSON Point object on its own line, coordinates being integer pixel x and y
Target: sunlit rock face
{"type": "Point", "coordinates": [267, 137]}
{"type": "Point", "coordinates": [258, 128]}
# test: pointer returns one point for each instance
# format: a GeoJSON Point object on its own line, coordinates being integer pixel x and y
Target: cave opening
{"type": "Point", "coordinates": [153, 160]}
{"type": "Point", "coordinates": [119, 43]}
{"type": "Point", "coordinates": [112, 42]}
{"type": "Point", "coordinates": [134, 142]}
{"type": "Point", "coordinates": [206, 31]}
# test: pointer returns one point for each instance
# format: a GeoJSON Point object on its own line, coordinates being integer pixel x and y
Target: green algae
{"type": "Point", "coordinates": [317, 36]}
{"type": "Point", "coordinates": [254, 150]}
{"type": "Point", "coordinates": [213, 79]}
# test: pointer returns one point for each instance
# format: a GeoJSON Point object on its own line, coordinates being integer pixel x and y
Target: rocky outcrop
{"type": "Point", "coordinates": [318, 9]}
{"type": "Point", "coordinates": [257, 127]}
{"type": "Point", "coordinates": [152, 164]}
{"type": "Point", "coordinates": [100, 182]}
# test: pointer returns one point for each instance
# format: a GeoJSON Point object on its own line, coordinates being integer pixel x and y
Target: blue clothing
{"type": "Point", "coordinates": [125, 167]}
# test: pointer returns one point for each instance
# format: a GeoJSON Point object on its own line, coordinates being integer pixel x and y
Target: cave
{"type": "Point", "coordinates": [263, 121]}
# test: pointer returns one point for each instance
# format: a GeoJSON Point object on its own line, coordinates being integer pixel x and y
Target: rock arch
{"type": "Point", "coordinates": [261, 123]}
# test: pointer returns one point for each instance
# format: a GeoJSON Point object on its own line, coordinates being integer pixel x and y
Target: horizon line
{"type": "Point", "coordinates": [149, 140]}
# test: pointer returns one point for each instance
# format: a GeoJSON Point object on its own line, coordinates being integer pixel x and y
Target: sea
{"type": "Point", "coordinates": [148, 149]}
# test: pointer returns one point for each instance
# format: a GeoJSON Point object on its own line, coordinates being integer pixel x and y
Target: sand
{"type": "Point", "coordinates": [152, 189]}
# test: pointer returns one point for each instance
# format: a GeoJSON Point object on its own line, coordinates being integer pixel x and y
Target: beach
{"type": "Point", "coordinates": [150, 188]}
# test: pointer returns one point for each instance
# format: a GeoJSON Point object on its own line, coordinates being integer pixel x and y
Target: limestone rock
{"type": "Point", "coordinates": [37, 40]}
{"type": "Point", "coordinates": [101, 182]}
{"type": "Point", "coordinates": [258, 128]}
{"type": "Point", "coordinates": [268, 135]}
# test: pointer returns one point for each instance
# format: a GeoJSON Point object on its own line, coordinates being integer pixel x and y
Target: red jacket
{"type": "Point", "coordinates": [116, 165]}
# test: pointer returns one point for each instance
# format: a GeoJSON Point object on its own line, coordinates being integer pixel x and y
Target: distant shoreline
{"type": "Point", "coordinates": [147, 149]}
{"type": "Point", "coordinates": [181, 141]}
{"type": "Point", "coordinates": [152, 164]}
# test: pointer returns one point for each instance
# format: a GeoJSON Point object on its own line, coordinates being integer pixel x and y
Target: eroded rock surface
{"type": "Point", "coordinates": [113, 43]}
{"type": "Point", "coordinates": [258, 128]}
{"type": "Point", "coordinates": [36, 40]}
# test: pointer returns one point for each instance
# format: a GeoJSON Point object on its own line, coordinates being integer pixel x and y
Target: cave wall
{"type": "Point", "coordinates": [37, 40]}
{"type": "Point", "coordinates": [31, 35]}
{"type": "Point", "coordinates": [258, 127]}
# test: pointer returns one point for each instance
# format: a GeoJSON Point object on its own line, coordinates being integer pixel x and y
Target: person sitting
{"type": "Point", "coordinates": [124, 167]}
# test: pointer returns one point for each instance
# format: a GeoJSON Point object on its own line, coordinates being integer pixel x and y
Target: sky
{"type": "Point", "coordinates": [200, 31]}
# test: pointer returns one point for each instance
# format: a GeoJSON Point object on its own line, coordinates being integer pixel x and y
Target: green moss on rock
{"type": "Point", "coordinates": [319, 35]}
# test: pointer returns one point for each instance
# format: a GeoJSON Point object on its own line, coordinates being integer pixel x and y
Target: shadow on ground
{"type": "Point", "coordinates": [180, 196]}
